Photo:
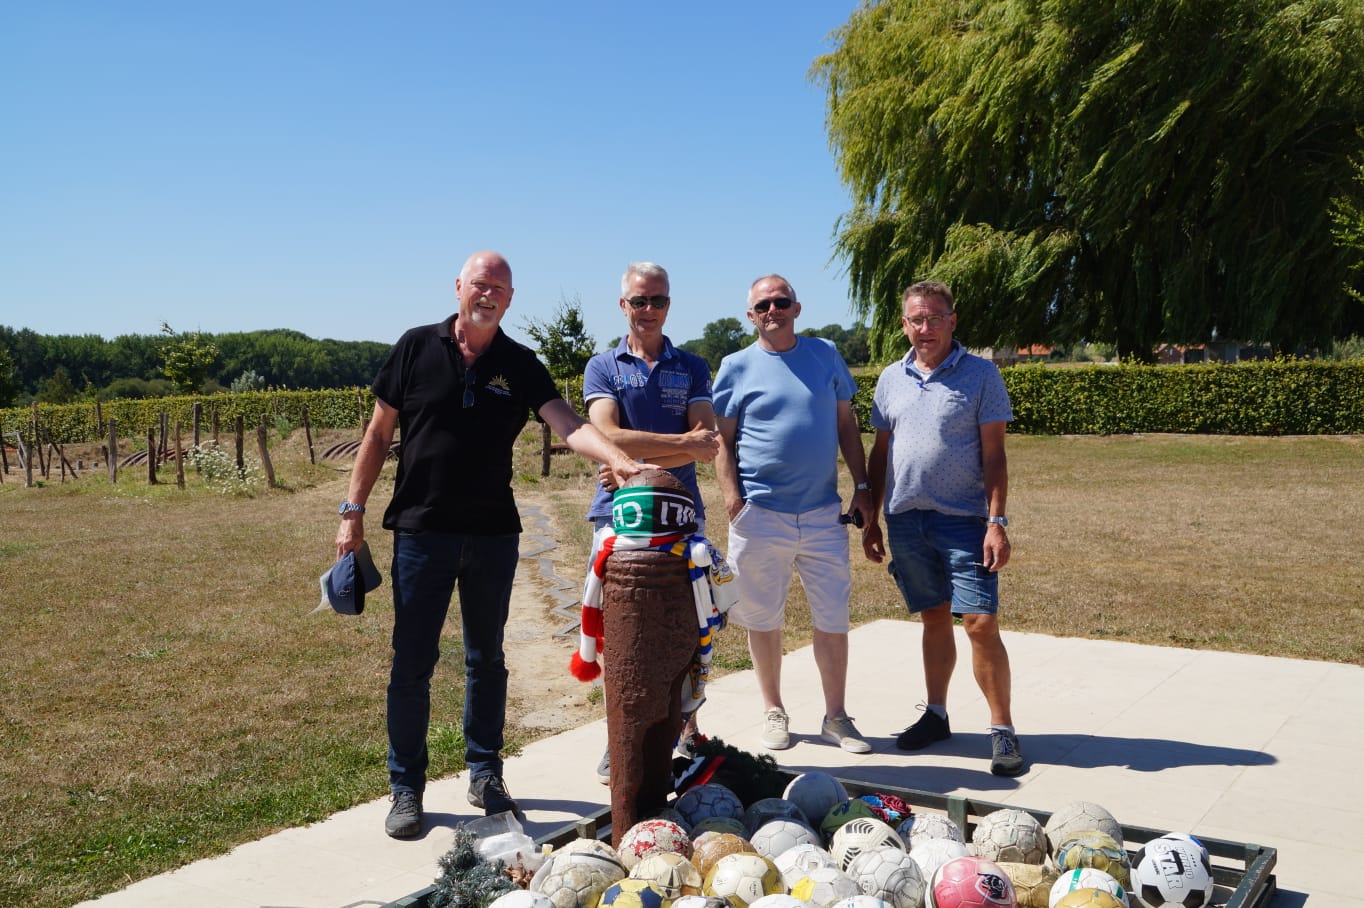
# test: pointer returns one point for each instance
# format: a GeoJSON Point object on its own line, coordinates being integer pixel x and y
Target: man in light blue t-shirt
{"type": "Point", "coordinates": [784, 409]}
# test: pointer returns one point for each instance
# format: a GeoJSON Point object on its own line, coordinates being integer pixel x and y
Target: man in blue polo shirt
{"type": "Point", "coordinates": [938, 463]}
{"type": "Point", "coordinates": [653, 401]}
{"type": "Point", "coordinates": [462, 391]}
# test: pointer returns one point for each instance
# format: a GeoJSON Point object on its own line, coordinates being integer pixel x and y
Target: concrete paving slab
{"type": "Point", "coordinates": [1235, 747]}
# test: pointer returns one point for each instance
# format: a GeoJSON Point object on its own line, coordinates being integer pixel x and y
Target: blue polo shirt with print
{"type": "Point", "coordinates": [648, 400]}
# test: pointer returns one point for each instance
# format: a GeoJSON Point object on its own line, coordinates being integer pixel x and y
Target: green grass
{"type": "Point", "coordinates": [165, 693]}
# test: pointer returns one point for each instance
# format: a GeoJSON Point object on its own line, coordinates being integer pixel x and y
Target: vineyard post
{"type": "Point", "coordinates": [111, 455]}
{"type": "Point", "coordinates": [308, 435]}
{"type": "Point", "coordinates": [261, 439]}
{"type": "Point", "coordinates": [198, 418]}
{"type": "Point", "coordinates": [151, 455]}
{"type": "Point", "coordinates": [179, 458]}
{"type": "Point", "coordinates": [241, 460]}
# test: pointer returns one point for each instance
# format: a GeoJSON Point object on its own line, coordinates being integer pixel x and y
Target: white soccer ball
{"type": "Point", "coordinates": [778, 900]}
{"type": "Point", "coordinates": [1011, 835]}
{"type": "Point", "coordinates": [649, 836]}
{"type": "Point", "coordinates": [1202, 849]}
{"type": "Point", "coordinates": [1171, 872]}
{"type": "Point", "coordinates": [862, 901]}
{"type": "Point", "coordinates": [1077, 816]}
{"type": "Point", "coordinates": [930, 854]}
{"type": "Point", "coordinates": [823, 886]}
{"type": "Point", "coordinates": [709, 800]}
{"type": "Point", "coordinates": [859, 835]}
{"type": "Point", "coordinates": [579, 884]}
{"type": "Point", "coordinates": [891, 875]}
{"type": "Point", "coordinates": [701, 901]}
{"type": "Point", "coordinates": [743, 879]}
{"type": "Point", "coordinates": [923, 826]}
{"type": "Point", "coordinates": [796, 862]}
{"type": "Point", "coordinates": [582, 850]}
{"type": "Point", "coordinates": [764, 809]}
{"type": "Point", "coordinates": [672, 874]}
{"type": "Point", "coordinates": [815, 792]}
{"type": "Point", "coordinates": [521, 898]}
{"type": "Point", "coordinates": [1085, 878]}
{"type": "Point", "coordinates": [777, 836]}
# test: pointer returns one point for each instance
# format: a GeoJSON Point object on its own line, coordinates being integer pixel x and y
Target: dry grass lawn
{"type": "Point", "coordinates": [166, 693]}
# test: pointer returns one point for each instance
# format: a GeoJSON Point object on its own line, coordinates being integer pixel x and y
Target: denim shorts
{"type": "Point", "coordinates": [936, 558]}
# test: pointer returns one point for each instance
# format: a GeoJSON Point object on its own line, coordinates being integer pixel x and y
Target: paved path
{"type": "Point", "coordinates": [1237, 747]}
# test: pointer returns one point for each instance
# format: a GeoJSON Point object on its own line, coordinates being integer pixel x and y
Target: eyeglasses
{"type": "Point", "coordinates": [469, 380]}
{"type": "Point", "coordinates": [658, 302]}
{"type": "Point", "coordinates": [782, 302]}
{"type": "Point", "coordinates": [919, 322]}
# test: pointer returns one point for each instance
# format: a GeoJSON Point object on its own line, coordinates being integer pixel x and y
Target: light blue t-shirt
{"type": "Point", "coordinates": [786, 405]}
{"type": "Point", "coordinates": [934, 462]}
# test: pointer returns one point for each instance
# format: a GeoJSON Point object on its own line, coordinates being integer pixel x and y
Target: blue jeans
{"type": "Point", "coordinates": [426, 569]}
{"type": "Point", "coordinates": [936, 558]}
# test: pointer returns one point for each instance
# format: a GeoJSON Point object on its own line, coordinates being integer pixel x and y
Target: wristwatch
{"type": "Point", "coordinates": [862, 487]}
{"type": "Point", "coordinates": [998, 521]}
{"type": "Point", "coordinates": [347, 507]}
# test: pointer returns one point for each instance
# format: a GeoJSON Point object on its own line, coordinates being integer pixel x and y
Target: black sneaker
{"type": "Point", "coordinates": [1007, 755]}
{"type": "Point", "coordinates": [604, 768]}
{"type": "Point", "coordinates": [930, 727]}
{"type": "Point", "coordinates": [490, 793]}
{"type": "Point", "coordinates": [405, 816]}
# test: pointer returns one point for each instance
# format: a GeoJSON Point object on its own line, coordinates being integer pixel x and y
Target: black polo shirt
{"type": "Point", "coordinates": [455, 465]}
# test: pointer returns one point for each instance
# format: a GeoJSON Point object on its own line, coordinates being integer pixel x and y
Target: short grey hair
{"type": "Point", "coordinates": [773, 276]}
{"type": "Point", "coordinates": [643, 269]}
{"type": "Point", "coordinates": [929, 289]}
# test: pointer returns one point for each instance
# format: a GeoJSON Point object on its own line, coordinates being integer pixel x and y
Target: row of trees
{"type": "Point", "coordinates": [1135, 172]}
{"type": "Point", "coordinates": [64, 368]}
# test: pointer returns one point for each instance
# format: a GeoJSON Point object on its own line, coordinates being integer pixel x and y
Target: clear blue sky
{"type": "Point", "coordinates": [327, 167]}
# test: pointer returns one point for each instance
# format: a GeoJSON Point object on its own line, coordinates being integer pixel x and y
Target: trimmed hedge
{"type": "Point", "coordinates": [1276, 397]}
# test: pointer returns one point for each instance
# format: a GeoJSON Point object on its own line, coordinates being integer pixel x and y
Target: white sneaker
{"type": "Point", "coordinates": [841, 731]}
{"type": "Point", "coordinates": [776, 725]}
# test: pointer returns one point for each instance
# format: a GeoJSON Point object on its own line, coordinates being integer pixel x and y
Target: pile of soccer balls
{"type": "Point", "coordinates": [817, 848]}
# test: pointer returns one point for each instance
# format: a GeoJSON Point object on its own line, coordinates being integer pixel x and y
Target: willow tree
{"type": "Point", "coordinates": [1131, 171]}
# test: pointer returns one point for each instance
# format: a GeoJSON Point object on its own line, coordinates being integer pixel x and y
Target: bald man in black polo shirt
{"type": "Point", "coordinates": [462, 391]}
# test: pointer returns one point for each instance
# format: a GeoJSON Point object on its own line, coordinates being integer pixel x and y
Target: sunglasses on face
{"type": "Point", "coordinates": [781, 302]}
{"type": "Point", "coordinates": [658, 302]}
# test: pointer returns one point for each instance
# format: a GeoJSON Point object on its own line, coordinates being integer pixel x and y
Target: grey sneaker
{"type": "Point", "coordinates": [490, 793]}
{"type": "Point", "coordinates": [776, 729]}
{"type": "Point", "coordinates": [841, 731]}
{"type": "Point", "coordinates": [405, 816]}
{"type": "Point", "coordinates": [930, 727]}
{"type": "Point", "coordinates": [1007, 755]}
{"type": "Point", "coordinates": [604, 767]}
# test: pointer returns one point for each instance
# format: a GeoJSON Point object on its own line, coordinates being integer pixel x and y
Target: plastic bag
{"type": "Point", "coordinates": [501, 838]}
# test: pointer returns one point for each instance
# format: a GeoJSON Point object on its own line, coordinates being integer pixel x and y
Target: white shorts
{"type": "Point", "coordinates": [766, 547]}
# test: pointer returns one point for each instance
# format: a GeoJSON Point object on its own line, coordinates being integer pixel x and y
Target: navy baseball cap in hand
{"type": "Point", "coordinates": [345, 583]}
